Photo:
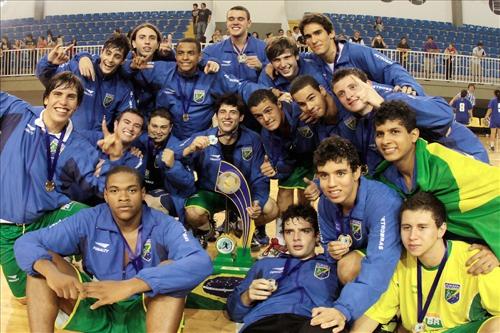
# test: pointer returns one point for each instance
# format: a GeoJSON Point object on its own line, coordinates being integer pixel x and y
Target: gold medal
{"type": "Point", "coordinates": [50, 186]}
{"type": "Point", "coordinates": [242, 58]}
{"type": "Point", "coordinates": [185, 116]}
{"type": "Point", "coordinates": [345, 239]}
{"type": "Point", "coordinates": [419, 327]}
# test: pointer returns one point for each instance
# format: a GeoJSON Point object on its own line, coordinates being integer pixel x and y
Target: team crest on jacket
{"type": "Point", "coordinates": [146, 251]}
{"type": "Point", "coordinates": [351, 122]}
{"type": "Point", "coordinates": [357, 231]}
{"type": "Point", "coordinates": [198, 95]}
{"type": "Point", "coordinates": [108, 99]}
{"type": "Point", "coordinates": [246, 153]}
{"type": "Point", "coordinates": [305, 131]}
{"type": "Point", "coordinates": [321, 271]}
{"type": "Point", "coordinates": [451, 292]}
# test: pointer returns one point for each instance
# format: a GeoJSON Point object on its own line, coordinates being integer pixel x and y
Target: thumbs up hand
{"type": "Point", "coordinates": [311, 191]}
{"type": "Point", "coordinates": [267, 168]}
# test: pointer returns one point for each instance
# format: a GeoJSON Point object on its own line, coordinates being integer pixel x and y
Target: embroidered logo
{"type": "Point", "coordinates": [451, 292]}
{"type": "Point", "coordinates": [321, 271]}
{"type": "Point", "coordinates": [246, 153]}
{"type": "Point", "coordinates": [305, 131]}
{"type": "Point", "coordinates": [108, 99]}
{"type": "Point", "coordinates": [357, 231]}
{"type": "Point", "coordinates": [146, 251]}
{"type": "Point", "coordinates": [198, 96]}
{"type": "Point", "coordinates": [351, 122]}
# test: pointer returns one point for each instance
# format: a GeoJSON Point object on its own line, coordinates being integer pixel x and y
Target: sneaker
{"type": "Point", "coordinates": [261, 236]}
{"type": "Point", "coordinates": [254, 245]}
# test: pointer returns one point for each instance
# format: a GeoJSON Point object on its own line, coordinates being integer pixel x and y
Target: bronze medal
{"type": "Point", "coordinates": [50, 186]}
{"type": "Point", "coordinates": [185, 117]}
{"type": "Point", "coordinates": [345, 239]}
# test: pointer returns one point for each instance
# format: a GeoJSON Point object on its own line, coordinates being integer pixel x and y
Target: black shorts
{"type": "Point", "coordinates": [284, 323]}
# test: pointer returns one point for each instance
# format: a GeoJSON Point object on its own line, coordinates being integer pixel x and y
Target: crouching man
{"type": "Point", "coordinates": [279, 294]}
{"type": "Point", "coordinates": [138, 265]}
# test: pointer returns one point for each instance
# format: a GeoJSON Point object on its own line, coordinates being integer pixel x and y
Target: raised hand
{"type": "Point", "coordinates": [58, 55]}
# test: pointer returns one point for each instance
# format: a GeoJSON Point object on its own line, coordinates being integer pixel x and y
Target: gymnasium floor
{"type": "Point", "coordinates": [13, 318]}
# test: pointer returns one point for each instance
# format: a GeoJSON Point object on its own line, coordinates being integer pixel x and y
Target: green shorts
{"type": "Point", "coordinates": [128, 316]}
{"type": "Point", "coordinates": [296, 179]}
{"type": "Point", "coordinates": [471, 327]}
{"type": "Point", "coordinates": [211, 202]}
{"type": "Point", "coordinates": [9, 233]}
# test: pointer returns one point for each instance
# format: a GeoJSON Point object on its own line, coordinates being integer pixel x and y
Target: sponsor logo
{"type": "Point", "coordinates": [321, 271]}
{"type": "Point", "coordinates": [88, 92]}
{"type": "Point", "coordinates": [101, 247]}
{"type": "Point", "coordinates": [246, 153]}
{"type": "Point", "coordinates": [168, 91]}
{"type": "Point", "coordinates": [12, 278]}
{"type": "Point", "coordinates": [382, 233]}
{"type": "Point", "coordinates": [356, 229]}
{"type": "Point", "coordinates": [451, 292]}
{"type": "Point", "coordinates": [277, 270]}
{"type": "Point", "coordinates": [214, 157]}
{"type": "Point", "coordinates": [30, 129]}
{"type": "Point", "coordinates": [433, 320]}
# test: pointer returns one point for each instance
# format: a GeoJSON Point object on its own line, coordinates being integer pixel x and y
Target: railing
{"type": "Point", "coordinates": [422, 65]}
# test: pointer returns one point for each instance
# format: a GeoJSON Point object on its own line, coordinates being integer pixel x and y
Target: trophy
{"type": "Point", "coordinates": [234, 258]}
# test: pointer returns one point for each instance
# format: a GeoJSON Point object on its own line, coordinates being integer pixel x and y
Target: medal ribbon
{"type": "Point", "coordinates": [134, 257]}
{"type": "Point", "coordinates": [340, 227]}
{"type": "Point", "coordinates": [237, 50]}
{"type": "Point", "coordinates": [422, 311]}
{"type": "Point", "coordinates": [51, 163]}
{"type": "Point", "coordinates": [287, 272]}
{"type": "Point", "coordinates": [185, 99]}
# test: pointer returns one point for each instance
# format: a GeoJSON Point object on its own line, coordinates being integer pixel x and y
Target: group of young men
{"type": "Point", "coordinates": [342, 124]}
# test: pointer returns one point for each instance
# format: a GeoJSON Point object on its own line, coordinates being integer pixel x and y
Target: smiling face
{"type": "Point", "coordinates": [187, 57]}
{"type": "Point", "coordinates": [419, 233]}
{"type": "Point", "coordinates": [338, 182]}
{"type": "Point", "coordinates": [60, 105]}
{"type": "Point", "coordinates": [286, 65]}
{"type": "Point", "coordinates": [124, 195]}
{"type": "Point", "coordinates": [129, 127]}
{"type": "Point", "coordinates": [320, 41]}
{"type": "Point", "coordinates": [348, 91]}
{"type": "Point", "coordinates": [394, 142]}
{"type": "Point", "coordinates": [111, 59]}
{"type": "Point", "coordinates": [311, 101]}
{"type": "Point", "coordinates": [237, 23]}
{"type": "Point", "coordinates": [268, 114]}
{"type": "Point", "coordinates": [146, 43]}
{"type": "Point", "coordinates": [228, 118]}
{"type": "Point", "coordinates": [159, 128]}
{"type": "Point", "coordinates": [300, 238]}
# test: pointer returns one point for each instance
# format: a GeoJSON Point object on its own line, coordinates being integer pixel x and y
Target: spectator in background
{"type": "Point", "coordinates": [269, 36]}
{"type": "Point", "coordinates": [378, 26]}
{"type": "Point", "coordinates": [41, 42]}
{"type": "Point", "coordinates": [430, 47]}
{"type": "Point", "coordinates": [51, 41]}
{"type": "Point", "coordinates": [204, 16]}
{"type": "Point", "coordinates": [403, 49]}
{"type": "Point", "coordinates": [471, 88]}
{"type": "Point", "coordinates": [449, 60]}
{"type": "Point", "coordinates": [476, 68]}
{"type": "Point", "coordinates": [255, 34]}
{"type": "Point", "coordinates": [296, 34]}
{"type": "Point", "coordinates": [194, 16]}
{"type": "Point", "coordinates": [378, 42]}
{"type": "Point", "coordinates": [117, 31]}
{"type": "Point", "coordinates": [5, 43]}
{"type": "Point", "coordinates": [217, 37]}
{"type": "Point", "coordinates": [29, 43]}
{"type": "Point", "coordinates": [493, 116]}
{"type": "Point", "coordinates": [289, 33]}
{"type": "Point", "coordinates": [60, 40]}
{"type": "Point", "coordinates": [356, 38]}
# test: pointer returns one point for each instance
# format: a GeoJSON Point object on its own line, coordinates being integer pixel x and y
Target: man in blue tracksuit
{"type": "Point", "coordinates": [186, 91]}
{"type": "Point", "coordinates": [234, 144]}
{"type": "Point", "coordinates": [134, 258]}
{"type": "Point", "coordinates": [330, 55]}
{"type": "Point", "coordinates": [355, 214]}
{"type": "Point", "coordinates": [434, 117]}
{"type": "Point", "coordinates": [45, 165]}
{"type": "Point", "coordinates": [281, 294]}
{"type": "Point", "coordinates": [105, 95]}
{"type": "Point", "coordinates": [168, 182]}
{"type": "Point", "coordinates": [286, 64]}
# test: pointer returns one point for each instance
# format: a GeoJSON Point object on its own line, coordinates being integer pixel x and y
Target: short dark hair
{"type": "Point", "coordinates": [65, 80]}
{"type": "Point", "coordinates": [278, 45]}
{"type": "Point", "coordinates": [125, 169]}
{"type": "Point", "coordinates": [341, 73]}
{"type": "Point", "coordinates": [497, 93]}
{"type": "Point", "coordinates": [396, 110]}
{"type": "Point", "coordinates": [151, 26]}
{"type": "Point", "coordinates": [471, 85]}
{"type": "Point", "coordinates": [305, 211]}
{"type": "Point", "coordinates": [428, 202]}
{"type": "Point", "coordinates": [130, 110]}
{"type": "Point", "coordinates": [336, 149]}
{"type": "Point", "coordinates": [240, 8]}
{"type": "Point", "coordinates": [318, 18]}
{"type": "Point", "coordinates": [163, 113]}
{"type": "Point", "coordinates": [230, 99]}
{"type": "Point", "coordinates": [302, 81]}
{"type": "Point", "coordinates": [195, 4]}
{"type": "Point", "coordinates": [117, 41]}
{"type": "Point", "coordinates": [192, 41]}
{"type": "Point", "coordinates": [463, 93]}
{"type": "Point", "coordinates": [261, 95]}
